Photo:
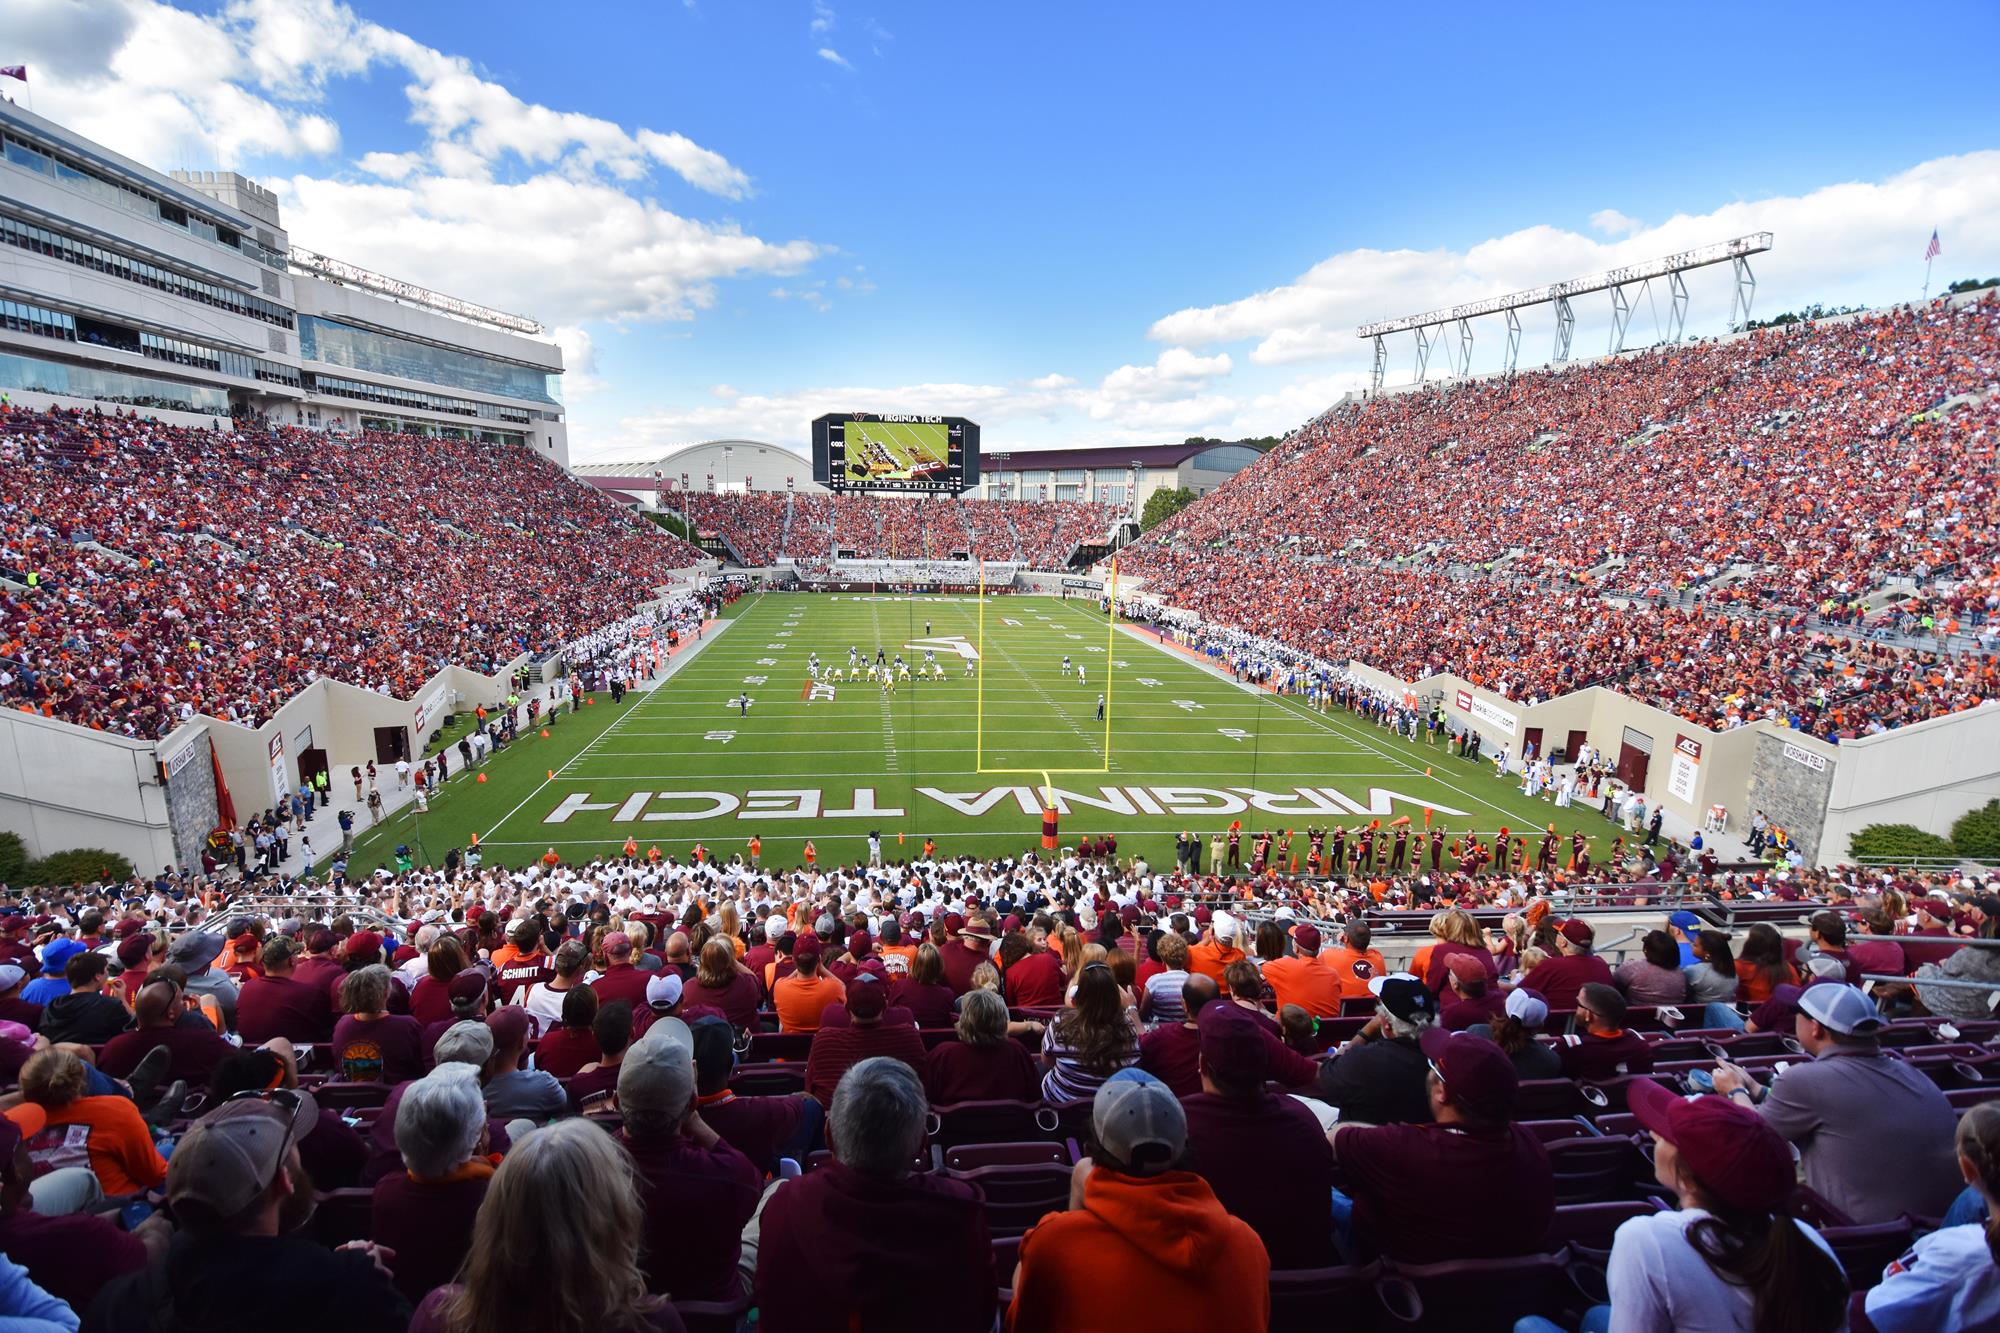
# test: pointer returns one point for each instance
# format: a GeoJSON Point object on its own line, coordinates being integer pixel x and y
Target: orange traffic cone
{"type": "Point", "coordinates": [482, 777]}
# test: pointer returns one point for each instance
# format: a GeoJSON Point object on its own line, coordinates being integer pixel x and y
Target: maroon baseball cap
{"type": "Point", "coordinates": [509, 1025]}
{"type": "Point", "coordinates": [365, 944]}
{"type": "Point", "coordinates": [1738, 1158]}
{"type": "Point", "coordinates": [1129, 914]}
{"type": "Point", "coordinates": [466, 989]}
{"type": "Point", "coordinates": [129, 927]}
{"type": "Point", "coordinates": [858, 942]}
{"type": "Point", "coordinates": [867, 997]}
{"type": "Point", "coordinates": [808, 944]}
{"type": "Point", "coordinates": [132, 950]}
{"type": "Point", "coordinates": [1465, 967]}
{"type": "Point", "coordinates": [321, 941]}
{"type": "Point", "coordinates": [1202, 916]}
{"type": "Point", "coordinates": [1578, 931]}
{"type": "Point", "coordinates": [953, 923]}
{"type": "Point", "coordinates": [1233, 1049]}
{"type": "Point", "coordinates": [1306, 937]}
{"type": "Point", "coordinates": [1479, 1077]}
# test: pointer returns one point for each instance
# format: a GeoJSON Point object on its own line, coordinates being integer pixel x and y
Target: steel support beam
{"type": "Point", "coordinates": [1381, 364]}
{"type": "Point", "coordinates": [1621, 319]}
{"type": "Point", "coordinates": [1464, 348]}
{"type": "Point", "coordinates": [1746, 292]}
{"type": "Point", "coordinates": [1423, 351]}
{"type": "Point", "coordinates": [1677, 308]}
{"type": "Point", "coordinates": [1565, 326]}
{"type": "Point", "coordinates": [1513, 338]}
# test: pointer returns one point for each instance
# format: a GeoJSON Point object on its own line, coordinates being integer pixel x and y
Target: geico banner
{"type": "Point", "coordinates": [692, 806]}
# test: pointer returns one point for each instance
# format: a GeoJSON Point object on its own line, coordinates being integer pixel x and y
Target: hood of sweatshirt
{"type": "Point", "coordinates": [1175, 1217]}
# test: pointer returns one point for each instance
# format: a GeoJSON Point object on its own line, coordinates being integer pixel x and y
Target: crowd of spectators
{"type": "Point", "coordinates": [153, 572]}
{"type": "Point", "coordinates": [1712, 527]}
{"type": "Point", "coordinates": [627, 1093]}
{"type": "Point", "coordinates": [761, 527]}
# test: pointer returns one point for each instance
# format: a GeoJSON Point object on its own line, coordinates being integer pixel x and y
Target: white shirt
{"type": "Point", "coordinates": [1947, 1280]}
{"type": "Point", "coordinates": [1661, 1284]}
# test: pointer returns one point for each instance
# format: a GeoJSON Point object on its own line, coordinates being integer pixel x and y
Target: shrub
{"type": "Point", "coordinates": [1899, 843]}
{"type": "Point", "coordinates": [13, 859]}
{"type": "Point", "coordinates": [1976, 835]}
{"type": "Point", "coordinates": [83, 865]}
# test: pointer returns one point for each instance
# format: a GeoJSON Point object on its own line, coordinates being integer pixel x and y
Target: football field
{"type": "Point", "coordinates": [963, 760]}
{"type": "Point", "coordinates": [910, 446]}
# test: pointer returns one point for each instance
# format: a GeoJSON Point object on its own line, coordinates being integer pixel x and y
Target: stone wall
{"type": "Point", "coordinates": [1791, 779]}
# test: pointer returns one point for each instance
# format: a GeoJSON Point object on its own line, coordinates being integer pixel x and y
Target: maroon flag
{"type": "Point", "coordinates": [14, 72]}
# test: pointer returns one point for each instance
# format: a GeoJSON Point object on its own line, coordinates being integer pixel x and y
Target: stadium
{"type": "Point", "coordinates": [475, 856]}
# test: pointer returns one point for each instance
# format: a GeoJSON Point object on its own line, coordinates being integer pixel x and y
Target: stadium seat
{"type": "Point", "coordinates": [340, 1216]}
{"type": "Point", "coordinates": [1864, 1251]}
{"type": "Point", "coordinates": [1489, 1293]}
{"type": "Point", "coordinates": [1018, 1196]}
{"type": "Point", "coordinates": [1313, 1300]}
{"type": "Point", "coordinates": [714, 1316]}
{"type": "Point", "coordinates": [993, 1122]}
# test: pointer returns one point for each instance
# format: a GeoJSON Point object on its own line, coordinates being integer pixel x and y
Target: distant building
{"type": "Point", "coordinates": [1123, 477]}
{"type": "Point", "coordinates": [181, 296]}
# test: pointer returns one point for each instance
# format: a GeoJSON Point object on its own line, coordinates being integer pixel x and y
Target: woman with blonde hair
{"type": "Point", "coordinates": [729, 924]}
{"type": "Point", "coordinates": [563, 1209]}
{"type": "Point", "coordinates": [1456, 932]}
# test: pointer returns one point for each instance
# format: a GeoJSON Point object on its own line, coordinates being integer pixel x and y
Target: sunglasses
{"type": "Point", "coordinates": [287, 1101]}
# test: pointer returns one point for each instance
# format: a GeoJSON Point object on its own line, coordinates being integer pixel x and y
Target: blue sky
{"type": "Point", "coordinates": [1077, 224]}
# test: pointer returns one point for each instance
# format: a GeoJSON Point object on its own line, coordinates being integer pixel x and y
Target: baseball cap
{"type": "Point", "coordinates": [867, 997]}
{"type": "Point", "coordinates": [714, 1048]}
{"type": "Point", "coordinates": [1232, 1045]}
{"type": "Point", "coordinates": [617, 945]}
{"type": "Point", "coordinates": [364, 944]}
{"type": "Point", "coordinates": [1738, 1158]}
{"type": "Point", "coordinates": [773, 928]}
{"type": "Point", "coordinates": [663, 990]}
{"type": "Point", "coordinates": [808, 944]}
{"type": "Point", "coordinates": [1226, 926]}
{"type": "Point", "coordinates": [132, 950]}
{"type": "Point", "coordinates": [466, 990]}
{"type": "Point", "coordinates": [1403, 995]}
{"type": "Point", "coordinates": [1306, 937]}
{"type": "Point", "coordinates": [953, 923]}
{"type": "Point", "coordinates": [657, 1074]}
{"type": "Point", "coordinates": [1465, 967]}
{"type": "Point", "coordinates": [11, 976]}
{"type": "Point", "coordinates": [56, 955]}
{"type": "Point", "coordinates": [1478, 1076]}
{"type": "Point", "coordinates": [1139, 1123]}
{"type": "Point", "coordinates": [1578, 931]}
{"type": "Point", "coordinates": [1686, 922]}
{"type": "Point", "coordinates": [1842, 1008]}
{"type": "Point", "coordinates": [1527, 1007]}
{"type": "Point", "coordinates": [858, 942]}
{"type": "Point", "coordinates": [229, 1158]}
{"type": "Point", "coordinates": [321, 941]}
{"type": "Point", "coordinates": [508, 1024]}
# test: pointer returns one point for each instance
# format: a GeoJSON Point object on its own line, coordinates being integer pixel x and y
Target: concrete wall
{"type": "Point", "coordinates": [1791, 780]}
{"type": "Point", "coordinates": [63, 786]}
{"type": "Point", "coordinates": [1927, 774]}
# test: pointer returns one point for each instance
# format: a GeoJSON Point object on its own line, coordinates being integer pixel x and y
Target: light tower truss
{"type": "Point", "coordinates": [1625, 285]}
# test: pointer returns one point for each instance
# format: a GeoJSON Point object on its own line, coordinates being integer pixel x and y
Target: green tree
{"type": "Point", "coordinates": [1972, 285]}
{"type": "Point", "coordinates": [1898, 844]}
{"type": "Point", "coordinates": [1163, 504]}
{"type": "Point", "coordinates": [1976, 835]}
{"type": "Point", "coordinates": [13, 859]}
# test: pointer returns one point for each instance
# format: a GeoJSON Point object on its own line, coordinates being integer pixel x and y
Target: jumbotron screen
{"type": "Point", "coordinates": [873, 451]}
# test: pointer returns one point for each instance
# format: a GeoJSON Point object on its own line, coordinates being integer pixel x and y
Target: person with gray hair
{"type": "Point", "coordinates": [892, 1248]}
{"type": "Point", "coordinates": [1378, 1077]}
{"type": "Point", "coordinates": [984, 1064]}
{"type": "Point", "coordinates": [370, 1044]}
{"type": "Point", "coordinates": [424, 1214]}
{"type": "Point", "coordinates": [697, 1191]}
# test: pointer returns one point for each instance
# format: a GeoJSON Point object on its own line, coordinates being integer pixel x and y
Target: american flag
{"type": "Point", "coordinates": [1931, 251]}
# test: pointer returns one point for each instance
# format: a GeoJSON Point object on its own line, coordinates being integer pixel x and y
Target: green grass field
{"type": "Point", "coordinates": [911, 445]}
{"type": "Point", "coordinates": [1187, 749]}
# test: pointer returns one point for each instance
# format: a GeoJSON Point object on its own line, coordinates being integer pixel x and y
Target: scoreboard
{"type": "Point", "coordinates": [874, 451]}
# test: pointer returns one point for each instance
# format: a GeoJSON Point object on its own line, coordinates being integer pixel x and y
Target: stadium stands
{"type": "Point", "coordinates": [761, 527]}
{"type": "Point", "coordinates": [153, 572]}
{"type": "Point", "coordinates": [1725, 529]}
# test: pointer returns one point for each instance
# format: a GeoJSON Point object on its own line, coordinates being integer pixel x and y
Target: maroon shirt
{"type": "Point", "coordinates": [1559, 980]}
{"type": "Point", "coordinates": [1587, 1055]}
{"type": "Point", "coordinates": [283, 1007]}
{"type": "Point", "coordinates": [1386, 1167]}
{"type": "Point", "coordinates": [840, 1250]}
{"type": "Point", "coordinates": [595, 1084]}
{"type": "Point", "coordinates": [1459, 1013]}
{"type": "Point", "coordinates": [1172, 1054]}
{"type": "Point", "coordinates": [430, 1000]}
{"type": "Point", "coordinates": [70, 1257]}
{"type": "Point", "coordinates": [1036, 982]}
{"type": "Point", "coordinates": [930, 1006]}
{"type": "Point", "coordinates": [382, 1050]}
{"type": "Point", "coordinates": [193, 1053]}
{"type": "Point", "coordinates": [14, 1009]}
{"type": "Point", "coordinates": [757, 1127]}
{"type": "Point", "coordinates": [428, 1223]}
{"type": "Point", "coordinates": [622, 981]}
{"type": "Point", "coordinates": [565, 1050]}
{"type": "Point", "coordinates": [959, 965]}
{"type": "Point", "coordinates": [696, 1202]}
{"type": "Point", "coordinates": [1437, 974]}
{"type": "Point", "coordinates": [956, 1072]}
{"type": "Point", "coordinates": [1233, 1143]}
{"type": "Point", "coordinates": [532, 970]}
{"type": "Point", "coordinates": [835, 1050]}
{"type": "Point", "coordinates": [736, 1002]}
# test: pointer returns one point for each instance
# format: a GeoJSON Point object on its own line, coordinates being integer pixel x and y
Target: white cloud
{"type": "Point", "coordinates": [1174, 372]}
{"type": "Point", "coordinates": [1851, 243]}
{"type": "Point", "coordinates": [1613, 223]}
{"type": "Point", "coordinates": [827, 53]}
{"type": "Point", "coordinates": [823, 18]}
{"type": "Point", "coordinates": [1051, 381]}
{"type": "Point", "coordinates": [391, 166]}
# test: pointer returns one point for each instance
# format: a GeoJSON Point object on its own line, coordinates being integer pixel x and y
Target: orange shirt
{"type": "Point", "coordinates": [1210, 958]}
{"type": "Point", "coordinates": [906, 952]}
{"type": "Point", "coordinates": [121, 1148]}
{"type": "Point", "coordinates": [800, 1000]}
{"type": "Point", "coordinates": [1303, 982]}
{"type": "Point", "coordinates": [1355, 970]}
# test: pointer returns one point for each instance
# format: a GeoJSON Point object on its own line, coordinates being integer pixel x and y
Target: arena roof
{"type": "Point", "coordinates": [1148, 455]}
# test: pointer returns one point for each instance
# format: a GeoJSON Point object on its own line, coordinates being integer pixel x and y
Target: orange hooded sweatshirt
{"type": "Point", "coordinates": [1158, 1252]}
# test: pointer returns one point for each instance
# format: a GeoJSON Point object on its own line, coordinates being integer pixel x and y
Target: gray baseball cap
{"type": "Point", "coordinates": [1139, 1122]}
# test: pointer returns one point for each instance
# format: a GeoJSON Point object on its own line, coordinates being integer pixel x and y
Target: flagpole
{"type": "Point", "coordinates": [1928, 261]}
